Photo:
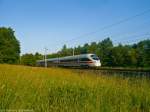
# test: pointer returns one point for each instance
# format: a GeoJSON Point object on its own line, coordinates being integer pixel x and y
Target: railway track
{"type": "Point", "coordinates": [120, 71]}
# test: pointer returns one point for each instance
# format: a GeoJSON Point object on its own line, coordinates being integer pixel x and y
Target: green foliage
{"type": "Point", "coordinates": [9, 46]}
{"type": "Point", "coordinates": [143, 49]}
{"type": "Point", "coordinates": [136, 55]}
{"type": "Point", "coordinates": [104, 51]}
{"type": "Point", "coordinates": [30, 59]}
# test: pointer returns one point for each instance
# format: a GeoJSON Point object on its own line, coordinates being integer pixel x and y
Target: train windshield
{"type": "Point", "coordinates": [94, 57]}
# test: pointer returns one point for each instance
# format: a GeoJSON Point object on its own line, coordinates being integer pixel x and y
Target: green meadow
{"type": "Point", "coordinates": [64, 90]}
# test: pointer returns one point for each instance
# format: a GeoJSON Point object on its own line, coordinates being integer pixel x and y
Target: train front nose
{"type": "Point", "coordinates": [98, 63]}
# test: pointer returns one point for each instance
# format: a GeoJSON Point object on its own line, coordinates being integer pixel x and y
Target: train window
{"type": "Point", "coordinates": [84, 59]}
{"type": "Point", "coordinates": [50, 61]}
{"type": "Point", "coordinates": [62, 60]}
{"type": "Point", "coordinates": [94, 57]}
{"type": "Point", "coordinates": [69, 60]}
{"type": "Point", "coordinates": [74, 60]}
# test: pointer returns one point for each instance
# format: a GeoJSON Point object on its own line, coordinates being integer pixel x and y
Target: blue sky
{"type": "Point", "coordinates": [51, 23]}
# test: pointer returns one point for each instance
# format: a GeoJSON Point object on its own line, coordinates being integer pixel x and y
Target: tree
{"type": "Point", "coordinates": [9, 46]}
{"type": "Point", "coordinates": [38, 56]}
{"type": "Point", "coordinates": [28, 59]}
{"type": "Point", "coordinates": [143, 49]}
{"type": "Point", "coordinates": [64, 51]}
{"type": "Point", "coordinates": [84, 49]}
{"type": "Point", "coordinates": [104, 51]}
{"type": "Point", "coordinates": [78, 50]}
{"type": "Point", "coordinates": [93, 47]}
{"type": "Point", "coordinates": [118, 55]}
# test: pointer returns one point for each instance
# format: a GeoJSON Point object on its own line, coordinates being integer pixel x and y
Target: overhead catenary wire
{"type": "Point", "coordinates": [108, 26]}
{"type": "Point", "coordinates": [127, 33]}
{"type": "Point", "coordinates": [131, 40]}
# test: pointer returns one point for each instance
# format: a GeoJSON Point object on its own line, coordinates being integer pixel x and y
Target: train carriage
{"type": "Point", "coordinates": [83, 60]}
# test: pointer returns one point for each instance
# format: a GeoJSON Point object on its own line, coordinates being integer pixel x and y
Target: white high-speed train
{"type": "Point", "coordinates": [83, 60]}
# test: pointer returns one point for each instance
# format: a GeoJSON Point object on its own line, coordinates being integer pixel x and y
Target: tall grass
{"type": "Point", "coordinates": [56, 89]}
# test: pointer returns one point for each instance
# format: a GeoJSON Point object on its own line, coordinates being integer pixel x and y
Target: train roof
{"type": "Point", "coordinates": [68, 57]}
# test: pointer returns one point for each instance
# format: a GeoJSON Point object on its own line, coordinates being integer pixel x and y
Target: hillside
{"type": "Point", "coordinates": [57, 89]}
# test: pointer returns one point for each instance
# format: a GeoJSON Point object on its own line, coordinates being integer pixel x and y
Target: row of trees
{"type": "Point", "coordinates": [30, 59]}
{"type": "Point", "coordinates": [135, 55]}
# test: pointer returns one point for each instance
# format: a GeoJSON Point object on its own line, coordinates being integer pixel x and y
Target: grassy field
{"type": "Point", "coordinates": [57, 89]}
